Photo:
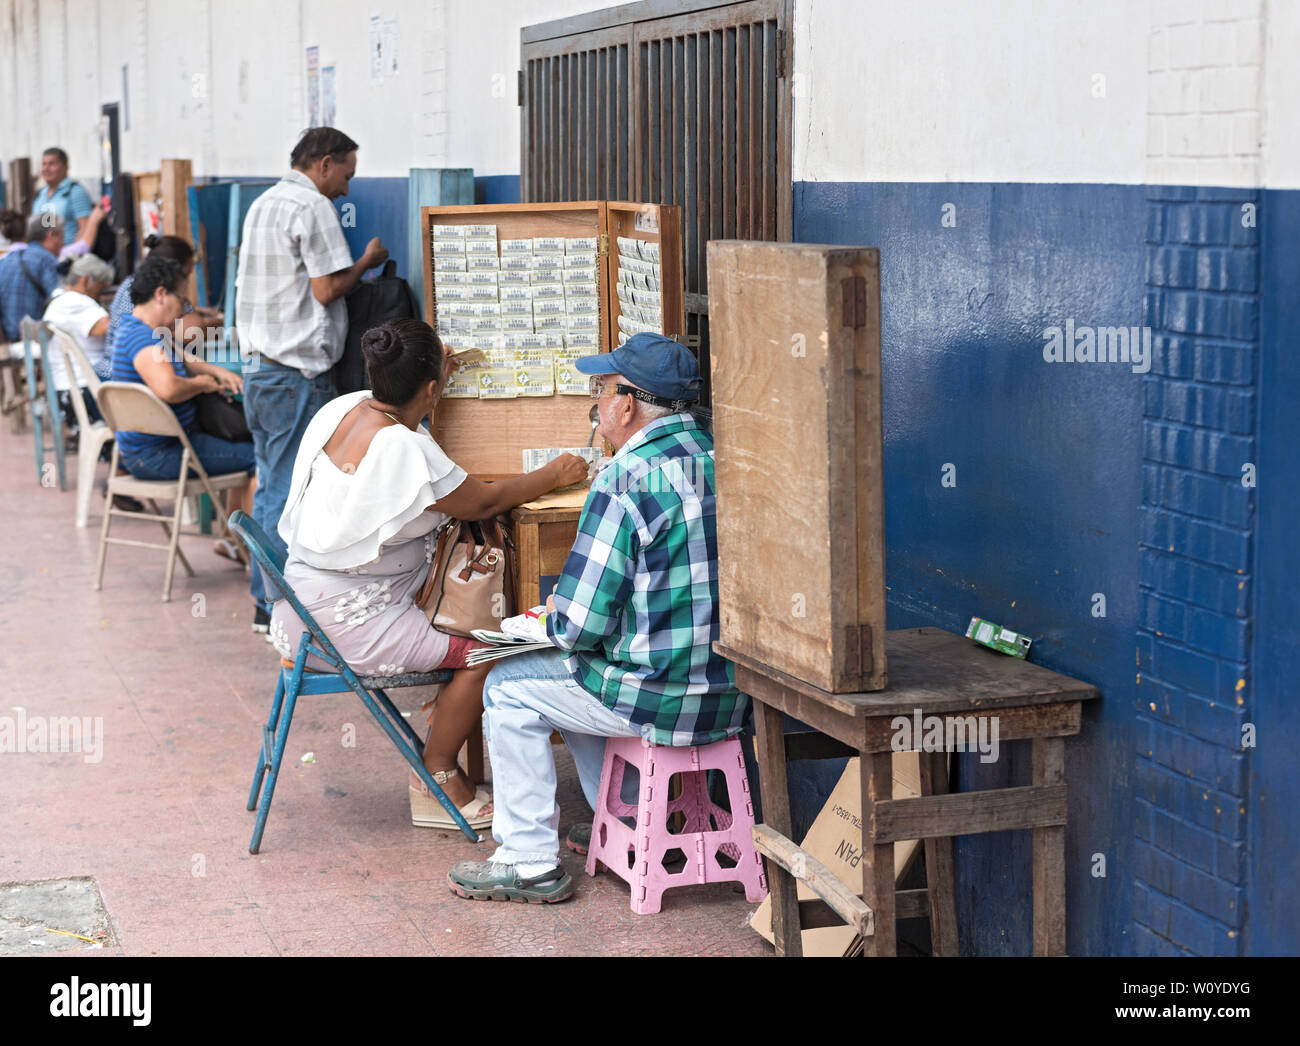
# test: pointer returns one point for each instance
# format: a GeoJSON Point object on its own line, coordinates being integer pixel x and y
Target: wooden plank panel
{"type": "Point", "coordinates": [771, 185]}
{"type": "Point", "coordinates": [878, 852]}
{"type": "Point", "coordinates": [607, 106]}
{"type": "Point", "coordinates": [1049, 853]}
{"type": "Point", "coordinates": [627, 134]}
{"type": "Point", "coordinates": [759, 73]}
{"type": "Point", "coordinates": [821, 880]}
{"type": "Point", "coordinates": [941, 904]}
{"type": "Point", "coordinates": [716, 130]}
{"type": "Point", "coordinates": [797, 394]}
{"type": "Point", "coordinates": [652, 86]}
{"type": "Point", "coordinates": [704, 143]}
{"type": "Point", "coordinates": [971, 813]}
{"type": "Point", "coordinates": [744, 135]}
{"type": "Point", "coordinates": [174, 179]}
{"type": "Point", "coordinates": [680, 197]}
{"type": "Point", "coordinates": [729, 134]}
{"type": "Point", "coordinates": [937, 672]}
{"type": "Point", "coordinates": [769, 751]}
{"type": "Point", "coordinates": [690, 168]}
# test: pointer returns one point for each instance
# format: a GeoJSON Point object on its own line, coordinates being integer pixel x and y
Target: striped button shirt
{"type": "Point", "coordinates": [291, 236]}
{"type": "Point", "coordinates": [636, 607]}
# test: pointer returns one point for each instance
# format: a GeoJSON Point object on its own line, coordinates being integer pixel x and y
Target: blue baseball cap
{"type": "Point", "coordinates": [661, 366]}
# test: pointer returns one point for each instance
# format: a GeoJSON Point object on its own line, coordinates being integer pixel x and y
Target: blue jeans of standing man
{"type": "Point", "coordinates": [524, 698]}
{"type": "Point", "coordinates": [163, 460]}
{"type": "Point", "coordinates": [278, 403]}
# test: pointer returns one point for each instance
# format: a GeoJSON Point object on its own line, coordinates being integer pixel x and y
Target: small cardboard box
{"type": "Point", "coordinates": [835, 839]}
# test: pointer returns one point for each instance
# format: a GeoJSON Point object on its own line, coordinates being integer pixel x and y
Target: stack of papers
{"type": "Point", "coordinates": [518, 635]}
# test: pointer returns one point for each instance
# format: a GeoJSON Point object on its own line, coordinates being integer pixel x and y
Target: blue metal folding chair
{"type": "Point", "coordinates": [297, 680]}
{"type": "Point", "coordinates": [46, 413]}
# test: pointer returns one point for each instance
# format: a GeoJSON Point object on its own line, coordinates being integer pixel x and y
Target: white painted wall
{"type": "Point", "coordinates": [954, 90]}
{"type": "Point", "coordinates": [1281, 109]}
{"type": "Point", "coordinates": [223, 82]}
{"type": "Point", "coordinates": [1194, 91]}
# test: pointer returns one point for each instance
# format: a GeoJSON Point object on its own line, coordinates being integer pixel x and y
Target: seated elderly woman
{"type": "Point", "coordinates": [75, 309]}
{"type": "Point", "coordinates": [370, 489]}
{"type": "Point", "coordinates": [144, 352]}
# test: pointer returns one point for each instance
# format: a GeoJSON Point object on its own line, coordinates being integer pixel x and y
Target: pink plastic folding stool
{"type": "Point", "coordinates": [637, 854]}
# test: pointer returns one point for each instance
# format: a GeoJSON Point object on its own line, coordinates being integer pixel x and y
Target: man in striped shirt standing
{"type": "Point", "coordinates": [294, 271]}
{"type": "Point", "coordinates": [634, 616]}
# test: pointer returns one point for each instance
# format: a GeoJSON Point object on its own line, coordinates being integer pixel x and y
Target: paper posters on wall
{"type": "Point", "coordinates": [376, 50]}
{"type": "Point", "coordinates": [327, 96]}
{"type": "Point", "coordinates": [313, 87]}
{"type": "Point", "coordinates": [388, 46]}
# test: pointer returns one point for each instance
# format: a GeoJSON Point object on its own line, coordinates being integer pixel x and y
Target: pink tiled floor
{"type": "Point", "coordinates": [183, 689]}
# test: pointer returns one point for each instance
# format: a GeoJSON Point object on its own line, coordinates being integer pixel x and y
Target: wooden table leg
{"type": "Point", "coordinates": [938, 863]}
{"type": "Point", "coordinates": [474, 768]}
{"type": "Point", "coordinates": [877, 860]}
{"type": "Point", "coordinates": [1049, 854]}
{"type": "Point", "coordinates": [775, 791]}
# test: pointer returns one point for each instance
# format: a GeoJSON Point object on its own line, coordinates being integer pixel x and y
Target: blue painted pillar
{"type": "Point", "coordinates": [431, 187]}
{"type": "Point", "coordinates": [1196, 571]}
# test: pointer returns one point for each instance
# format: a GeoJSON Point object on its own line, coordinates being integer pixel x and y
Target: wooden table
{"type": "Point", "coordinates": [935, 673]}
{"type": "Point", "coordinates": [544, 531]}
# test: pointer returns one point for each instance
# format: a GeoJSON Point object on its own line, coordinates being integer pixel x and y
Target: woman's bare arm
{"type": "Point", "coordinates": [476, 499]}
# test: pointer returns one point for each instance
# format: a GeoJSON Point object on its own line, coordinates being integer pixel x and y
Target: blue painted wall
{"type": "Point", "coordinates": [1048, 470]}
{"type": "Point", "coordinates": [1273, 850]}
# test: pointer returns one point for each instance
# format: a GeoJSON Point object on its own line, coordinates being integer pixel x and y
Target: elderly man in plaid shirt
{"type": "Point", "coordinates": [634, 616]}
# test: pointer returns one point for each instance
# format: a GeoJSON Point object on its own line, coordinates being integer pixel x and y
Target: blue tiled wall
{"type": "Point", "coordinates": [1196, 571]}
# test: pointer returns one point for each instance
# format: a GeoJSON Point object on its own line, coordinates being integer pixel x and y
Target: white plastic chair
{"type": "Point", "coordinates": [93, 434]}
{"type": "Point", "coordinates": [128, 407]}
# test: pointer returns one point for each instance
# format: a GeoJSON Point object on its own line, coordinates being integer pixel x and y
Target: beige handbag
{"type": "Point", "coordinates": [471, 583]}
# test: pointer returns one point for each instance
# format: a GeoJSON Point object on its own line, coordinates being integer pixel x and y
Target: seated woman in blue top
{"type": "Point", "coordinates": [143, 354]}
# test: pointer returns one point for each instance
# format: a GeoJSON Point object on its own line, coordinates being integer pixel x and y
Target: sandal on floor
{"type": "Point", "coordinates": [227, 549]}
{"type": "Point", "coordinates": [427, 812]}
{"type": "Point", "coordinates": [488, 881]}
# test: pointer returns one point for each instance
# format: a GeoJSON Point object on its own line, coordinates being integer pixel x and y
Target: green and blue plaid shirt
{"type": "Point", "coordinates": [636, 608]}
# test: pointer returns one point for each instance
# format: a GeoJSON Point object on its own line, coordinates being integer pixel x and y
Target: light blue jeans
{"type": "Point", "coordinates": [524, 699]}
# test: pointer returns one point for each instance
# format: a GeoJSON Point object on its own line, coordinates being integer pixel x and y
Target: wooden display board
{"type": "Point", "coordinates": [21, 191]}
{"type": "Point", "coordinates": [148, 208]}
{"type": "Point", "coordinates": [487, 437]}
{"type": "Point", "coordinates": [795, 350]}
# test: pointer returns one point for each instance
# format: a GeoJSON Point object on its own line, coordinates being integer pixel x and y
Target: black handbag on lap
{"type": "Point", "coordinates": [222, 417]}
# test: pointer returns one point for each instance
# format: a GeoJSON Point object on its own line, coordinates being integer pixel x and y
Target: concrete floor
{"type": "Point", "coordinates": [158, 821]}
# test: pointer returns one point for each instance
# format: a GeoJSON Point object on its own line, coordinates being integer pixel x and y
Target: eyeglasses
{"type": "Point", "coordinates": [598, 387]}
{"type": "Point", "coordinates": [185, 302]}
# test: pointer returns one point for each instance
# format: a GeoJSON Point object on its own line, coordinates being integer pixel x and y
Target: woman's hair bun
{"type": "Point", "coordinates": [381, 345]}
{"type": "Point", "coordinates": [151, 241]}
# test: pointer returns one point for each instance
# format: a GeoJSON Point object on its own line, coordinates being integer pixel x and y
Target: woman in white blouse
{"type": "Point", "coordinates": [369, 490]}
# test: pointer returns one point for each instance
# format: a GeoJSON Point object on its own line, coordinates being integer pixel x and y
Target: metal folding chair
{"type": "Point", "coordinates": [299, 680]}
{"type": "Point", "coordinates": [45, 410]}
{"type": "Point", "coordinates": [131, 407]}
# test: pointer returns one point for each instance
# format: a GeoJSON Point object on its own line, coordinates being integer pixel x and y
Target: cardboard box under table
{"type": "Point", "coordinates": [602, 270]}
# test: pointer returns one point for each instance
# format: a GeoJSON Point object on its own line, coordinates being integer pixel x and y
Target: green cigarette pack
{"type": "Point", "coordinates": [995, 637]}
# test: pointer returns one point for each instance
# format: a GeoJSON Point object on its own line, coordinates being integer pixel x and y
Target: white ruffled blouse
{"type": "Point", "coordinates": [336, 520]}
